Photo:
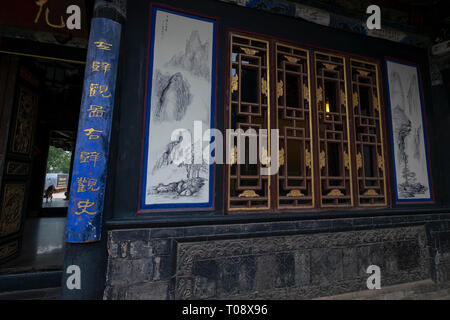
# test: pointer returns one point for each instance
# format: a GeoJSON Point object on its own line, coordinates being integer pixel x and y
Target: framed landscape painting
{"type": "Point", "coordinates": [180, 92]}
{"type": "Point", "coordinates": [411, 163]}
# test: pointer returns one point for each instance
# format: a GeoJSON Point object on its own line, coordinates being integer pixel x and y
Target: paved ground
{"type": "Point", "coordinates": [400, 292]}
{"type": "Point", "coordinates": [38, 294]}
{"type": "Point", "coordinates": [419, 290]}
{"type": "Point", "coordinates": [42, 247]}
{"type": "Point", "coordinates": [58, 201]}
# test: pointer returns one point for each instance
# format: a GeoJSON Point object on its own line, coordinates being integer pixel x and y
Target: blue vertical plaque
{"type": "Point", "coordinates": [87, 191]}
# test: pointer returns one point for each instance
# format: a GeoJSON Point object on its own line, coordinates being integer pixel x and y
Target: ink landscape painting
{"type": "Point", "coordinates": [181, 92]}
{"type": "Point", "coordinates": [411, 162]}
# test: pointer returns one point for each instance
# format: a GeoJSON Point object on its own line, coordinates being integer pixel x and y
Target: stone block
{"type": "Point", "coordinates": [206, 269]}
{"type": "Point", "coordinates": [307, 224]}
{"type": "Point", "coordinates": [142, 270]}
{"type": "Point", "coordinates": [228, 276]}
{"type": "Point", "coordinates": [444, 241]}
{"type": "Point", "coordinates": [205, 231]}
{"type": "Point", "coordinates": [167, 233]}
{"type": "Point", "coordinates": [129, 235]}
{"type": "Point", "coordinates": [343, 224]}
{"type": "Point", "coordinates": [382, 221]}
{"type": "Point", "coordinates": [114, 293]}
{"type": "Point", "coordinates": [148, 291]}
{"type": "Point", "coordinates": [357, 222]}
{"type": "Point", "coordinates": [286, 270]}
{"type": "Point", "coordinates": [162, 247]}
{"type": "Point", "coordinates": [124, 249]}
{"type": "Point", "coordinates": [247, 274]}
{"type": "Point", "coordinates": [140, 249]}
{"type": "Point", "coordinates": [118, 271]}
{"type": "Point", "coordinates": [377, 255]}
{"type": "Point", "coordinates": [326, 265]}
{"type": "Point", "coordinates": [204, 288]}
{"type": "Point", "coordinates": [399, 219]}
{"type": "Point", "coordinates": [363, 260]}
{"type": "Point", "coordinates": [407, 255]}
{"type": "Point", "coordinates": [349, 263]}
{"type": "Point", "coordinates": [257, 227]}
{"type": "Point", "coordinates": [302, 268]}
{"type": "Point", "coordinates": [290, 266]}
{"type": "Point", "coordinates": [266, 272]}
{"type": "Point", "coordinates": [113, 249]}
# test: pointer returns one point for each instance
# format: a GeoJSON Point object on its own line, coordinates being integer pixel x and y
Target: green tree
{"type": "Point", "coordinates": [58, 160]}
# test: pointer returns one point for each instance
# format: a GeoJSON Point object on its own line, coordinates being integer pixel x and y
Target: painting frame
{"type": "Point", "coordinates": [175, 207]}
{"type": "Point", "coordinates": [400, 198]}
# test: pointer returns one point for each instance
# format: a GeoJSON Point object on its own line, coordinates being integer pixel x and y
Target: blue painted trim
{"type": "Point", "coordinates": [205, 205]}
{"type": "Point", "coordinates": [430, 199]}
{"type": "Point", "coordinates": [84, 220]}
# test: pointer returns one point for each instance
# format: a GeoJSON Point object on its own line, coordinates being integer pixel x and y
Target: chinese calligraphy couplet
{"type": "Point", "coordinates": [91, 155]}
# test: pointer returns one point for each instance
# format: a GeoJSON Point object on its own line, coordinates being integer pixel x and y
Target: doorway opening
{"type": "Point", "coordinates": [59, 163]}
{"type": "Point", "coordinates": [39, 144]}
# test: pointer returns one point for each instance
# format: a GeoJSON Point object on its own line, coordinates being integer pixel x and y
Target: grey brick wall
{"type": "Point", "coordinates": [278, 260]}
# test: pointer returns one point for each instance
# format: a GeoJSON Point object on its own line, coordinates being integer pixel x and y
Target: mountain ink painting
{"type": "Point", "coordinates": [181, 87]}
{"type": "Point", "coordinates": [411, 162]}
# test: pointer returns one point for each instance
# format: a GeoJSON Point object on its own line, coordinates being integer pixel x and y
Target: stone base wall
{"type": "Point", "coordinates": [277, 260]}
{"type": "Point", "coordinates": [418, 290]}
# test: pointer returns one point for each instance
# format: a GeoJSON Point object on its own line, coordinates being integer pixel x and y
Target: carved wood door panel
{"type": "Point", "coordinates": [18, 159]}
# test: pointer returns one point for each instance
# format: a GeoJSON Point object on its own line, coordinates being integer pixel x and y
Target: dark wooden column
{"type": "Point", "coordinates": [91, 258]}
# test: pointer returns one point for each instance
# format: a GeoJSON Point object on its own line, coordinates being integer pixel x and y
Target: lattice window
{"type": "Point", "coordinates": [331, 148]}
{"type": "Point", "coordinates": [295, 175]}
{"type": "Point", "coordinates": [248, 109]}
{"type": "Point", "coordinates": [368, 134]}
{"type": "Point", "coordinates": [334, 144]}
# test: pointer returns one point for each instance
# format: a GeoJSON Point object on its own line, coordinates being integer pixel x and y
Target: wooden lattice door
{"type": "Point", "coordinates": [18, 159]}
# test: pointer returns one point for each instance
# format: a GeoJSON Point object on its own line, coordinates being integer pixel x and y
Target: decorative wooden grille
{"type": "Point", "coordinates": [248, 109]}
{"type": "Point", "coordinates": [293, 119]}
{"type": "Point", "coordinates": [370, 165]}
{"type": "Point", "coordinates": [334, 146]}
{"type": "Point", "coordinates": [331, 150]}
